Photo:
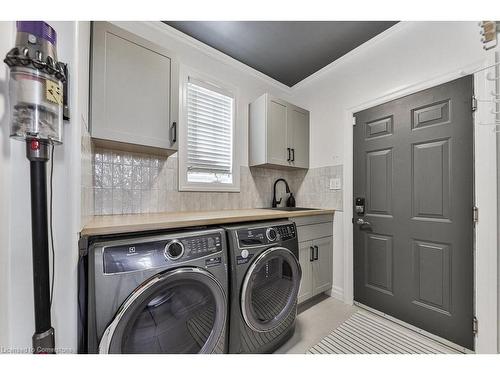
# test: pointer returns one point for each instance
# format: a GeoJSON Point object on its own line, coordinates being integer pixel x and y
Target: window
{"type": "Point", "coordinates": [207, 161]}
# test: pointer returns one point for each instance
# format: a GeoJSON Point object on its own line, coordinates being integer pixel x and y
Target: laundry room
{"type": "Point", "coordinates": [179, 180]}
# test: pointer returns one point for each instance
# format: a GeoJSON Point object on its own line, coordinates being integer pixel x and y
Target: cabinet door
{"type": "Point", "coordinates": [132, 91]}
{"type": "Point", "coordinates": [305, 256]}
{"type": "Point", "coordinates": [276, 132]}
{"type": "Point", "coordinates": [322, 267]}
{"type": "Point", "coordinates": [298, 136]}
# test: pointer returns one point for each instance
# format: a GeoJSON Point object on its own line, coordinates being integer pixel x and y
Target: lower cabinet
{"type": "Point", "coordinates": [315, 257]}
{"type": "Point", "coordinates": [322, 266]}
{"type": "Point", "coordinates": [305, 260]}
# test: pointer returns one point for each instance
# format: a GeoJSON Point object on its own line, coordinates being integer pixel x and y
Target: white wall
{"type": "Point", "coordinates": [405, 56]}
{"type": "Point", "coordinates": [408, 53]}
{"type": "Point", "coordinates": [5, 44]}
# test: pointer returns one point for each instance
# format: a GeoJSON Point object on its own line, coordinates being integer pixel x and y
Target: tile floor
{"type": "Point", "coordinates": [323, 314]}
{"type": "Point", "coordinates": [315, 321]}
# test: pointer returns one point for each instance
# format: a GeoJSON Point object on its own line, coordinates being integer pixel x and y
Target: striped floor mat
{"type": "Point", "coordinates": [365, 333]}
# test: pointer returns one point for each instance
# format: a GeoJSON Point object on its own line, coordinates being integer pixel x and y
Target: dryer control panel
{"type": "Point", "coordinates": [252, 237]}
{"type": "Point", "coordinates": [152, 254]}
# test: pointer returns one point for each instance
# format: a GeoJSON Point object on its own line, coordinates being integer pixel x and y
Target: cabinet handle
{"type": "Point", "coordinates": [174, 129]}
{"type": "Point", "coordinates": [316, 252]}
{"type": "Point", "coordinates": [311, 255]}
{"type": "Point", "coordinates": [293, 154]}
{"type": "Point", "coordinates": [289, 157]}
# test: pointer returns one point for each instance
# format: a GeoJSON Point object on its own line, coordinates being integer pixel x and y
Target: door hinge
{"type": "Point", "coordinates": [475, 325]}
{"type": "Point", "coordinates": [475, 214]}
{"type": "Point", "coordinates": [474, 103]}
{"type": "Point", "coordinates": [83, 245]}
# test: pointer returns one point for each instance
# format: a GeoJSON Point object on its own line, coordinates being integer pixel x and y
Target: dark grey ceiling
{"type": "Point", "coordinates": [287, 51]}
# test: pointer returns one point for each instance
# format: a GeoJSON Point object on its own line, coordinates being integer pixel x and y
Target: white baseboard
{"type": "Point", "coordinates": [336, 292]}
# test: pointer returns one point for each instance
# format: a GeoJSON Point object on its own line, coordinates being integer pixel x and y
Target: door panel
{"type": "Point", "coordinates": [379, 262]}
{"type": "Point", "coordinates": [277, 133]}
{"type": "Point", "coordinates": [431, 271]}
{"type": "Point", "coordinates": [431, 180]}
{"type": "Point", "coordinates": [379, 128]}
{"type": "Point", "coordinates": [298, 136]}
{"type": "Point", "coordinates": [322, 265]}
{"type": "Point", "coordinates": [379, 176]}
{"type": "Point", "coordinates": [413, 164]}
{"type": "Point", "coordinates": [120, 108]}
{"type": "Point", "coordinates": [305, 260]}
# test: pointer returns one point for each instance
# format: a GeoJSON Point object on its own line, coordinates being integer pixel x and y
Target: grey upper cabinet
{"type": "Point", "coordinates": [278, 134]}
{"type": "Point", "coordinates": [276, 141]}
{"type": "Point", "coordinates": [134, 91]}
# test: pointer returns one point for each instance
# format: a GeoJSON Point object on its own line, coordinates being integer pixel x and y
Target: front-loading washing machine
{"type": "Point", "coordinates": [164, 293]}
{"type": "Point", "coordinates": [265, 278]}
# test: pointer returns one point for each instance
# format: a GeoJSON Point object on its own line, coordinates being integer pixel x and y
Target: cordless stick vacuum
{"type": "Point", "coordinates": [36, 109]}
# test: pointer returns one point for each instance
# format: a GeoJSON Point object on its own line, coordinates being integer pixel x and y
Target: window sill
{"type": "Point", "coordinates": [210, 188]}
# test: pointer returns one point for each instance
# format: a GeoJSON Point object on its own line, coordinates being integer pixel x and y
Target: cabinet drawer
{"type": "Point", "coordinates": [311, 232]}
{"type": "Point", "coordinates": [315, 219]}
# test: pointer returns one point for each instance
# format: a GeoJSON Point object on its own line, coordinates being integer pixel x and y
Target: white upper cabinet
{"type": "Point", "coordinates": [298, 136]}
{"type": "Point", "coordinates": [134, 94]}
{"type": "Point", "coordinates": [277, 143]}
{"type": "Point", "coordinates": [279, 134]}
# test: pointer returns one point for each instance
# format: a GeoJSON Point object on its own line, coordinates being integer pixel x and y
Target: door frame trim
{"type": "Point", "coordinates": [485, 197]}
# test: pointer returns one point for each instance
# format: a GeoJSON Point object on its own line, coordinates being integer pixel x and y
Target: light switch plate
{"type": "Point", "coordinates": [335, 183]}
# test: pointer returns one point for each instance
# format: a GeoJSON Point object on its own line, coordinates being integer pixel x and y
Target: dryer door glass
{"type": "Point", "coordinates": [181, 311]}
{"type": "Point", "coordinates": [270, 288]}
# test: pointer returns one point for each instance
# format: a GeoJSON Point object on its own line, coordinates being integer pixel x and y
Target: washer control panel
{"type": "Point", "coordinates": [146, 255]}
{"type": "Point", "coordinates": [174, 250]}
{"type": "Point", "coordinates": [252, 237]}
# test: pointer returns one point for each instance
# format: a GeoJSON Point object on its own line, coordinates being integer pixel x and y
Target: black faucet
{"type": "Point", "coordinates": [275, 202]}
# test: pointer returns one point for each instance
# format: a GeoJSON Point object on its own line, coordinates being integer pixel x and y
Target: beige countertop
{"type": "Point", "coordinates": [114, 224]}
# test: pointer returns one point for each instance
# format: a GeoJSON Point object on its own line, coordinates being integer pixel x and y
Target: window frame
{"type": "Point", "coordinates": [225, 89]}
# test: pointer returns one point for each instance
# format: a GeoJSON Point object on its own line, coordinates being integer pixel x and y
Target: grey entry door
{"type": "Point", "coordinates": [413, 166]}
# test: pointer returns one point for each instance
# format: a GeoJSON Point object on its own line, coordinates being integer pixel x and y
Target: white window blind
{"type": "Point", "coordinates": [209, 133]}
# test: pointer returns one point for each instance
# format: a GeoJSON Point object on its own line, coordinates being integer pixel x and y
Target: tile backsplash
{"type": "Point", "coordinates": [127, 183]}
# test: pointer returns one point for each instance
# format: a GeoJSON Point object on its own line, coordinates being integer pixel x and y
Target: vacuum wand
{"type": "Point", "coordinates": [36, 91]}
{"type": "Point", "coordinates": [43, 338]}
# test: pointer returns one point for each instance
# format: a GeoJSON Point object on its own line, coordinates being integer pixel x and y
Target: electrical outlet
{"type": "Point", "coordinates": [335, 183]}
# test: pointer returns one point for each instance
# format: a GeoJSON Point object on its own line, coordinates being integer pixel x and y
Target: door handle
{"type": "Point", "coordinates": [174, 129]}
{"type": "Point", "coordinates": [362, 221]}
{"type": "Point", "coordinates": [293, 154]}
{"type": "Point", "coordinates": [311, 254]}
{"type": "Point", "coordinates": [316, 254]}
{"type": "Point", "coordinates": [289, 157]}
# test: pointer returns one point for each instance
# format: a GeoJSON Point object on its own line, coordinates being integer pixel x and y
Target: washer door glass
{"type": "Point", "coordinates": [270, 288]}
{"type": "Point", "coordinates": [181, 311]}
